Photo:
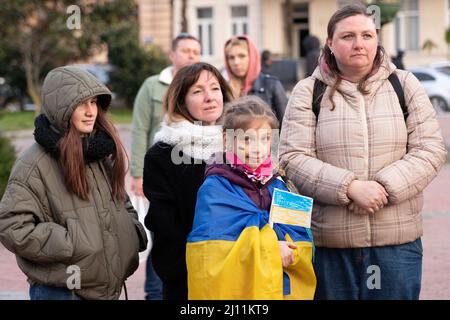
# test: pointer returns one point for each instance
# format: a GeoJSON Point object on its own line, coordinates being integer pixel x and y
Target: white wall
{"type": "Point", "coordinates": [222, 23]}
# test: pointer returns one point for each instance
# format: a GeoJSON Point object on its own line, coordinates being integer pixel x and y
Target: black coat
{"type": "Point", "coordinates": [270, 89]}
{"type": "Point", "coordinates": [172, 192]}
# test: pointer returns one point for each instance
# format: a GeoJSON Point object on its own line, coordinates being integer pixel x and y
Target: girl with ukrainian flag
{"type": "Point", "coordinates": [233, 251]}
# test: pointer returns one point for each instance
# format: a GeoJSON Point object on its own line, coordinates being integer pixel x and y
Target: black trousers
{"type": "Point", "coordinates": [175, 290]}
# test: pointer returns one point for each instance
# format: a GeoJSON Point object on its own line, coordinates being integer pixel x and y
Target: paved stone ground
{"type": "Point", "coordinates": [436, 219]}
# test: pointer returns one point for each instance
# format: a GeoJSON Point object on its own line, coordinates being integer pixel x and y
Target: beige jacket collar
{"type": "Point", "coordinates": [348, 88]}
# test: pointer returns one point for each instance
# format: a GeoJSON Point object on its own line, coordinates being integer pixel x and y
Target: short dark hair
{"type": "Point", "coordinates": [183, 36]}
{"type": "Point", "coordinates": [174, 100]}
{"type": "Point", "coordinates": [265, 55]}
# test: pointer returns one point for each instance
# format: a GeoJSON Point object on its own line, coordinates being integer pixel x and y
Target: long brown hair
{"type": "Point", "coordinates": [343, 13]}
{"type": "Point", "coordinates": [73, 165]}
{"type": "Point", "coordinates": [174, 101]}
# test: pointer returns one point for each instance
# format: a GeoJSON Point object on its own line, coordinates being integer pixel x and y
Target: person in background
{"type": "Point", "coordinates": [65, 209]}
{"type": "Point", "coordinates": [147, 116]}
{"type": "Point", "coordinates": [312, 47]}
{"type": "Point", "coordinates": [364, 163]}
{"type": "Point", "coordinates": [266, 62]}
{"type": "Point", "coordinates": [398, 60]}
{"type": "Point", "coordinates": [243, 67]}
{"type": "Point", "coordinates": [174, 167]}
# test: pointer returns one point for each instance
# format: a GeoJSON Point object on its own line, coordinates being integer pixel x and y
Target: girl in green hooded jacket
{"type": "Point", "coordinates": [65, 213]}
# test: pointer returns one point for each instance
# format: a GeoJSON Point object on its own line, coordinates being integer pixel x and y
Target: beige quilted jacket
{"type": "Point", "coordinates": [365, 137]}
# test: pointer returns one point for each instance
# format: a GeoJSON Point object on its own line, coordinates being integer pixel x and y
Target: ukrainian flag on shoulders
{"type": "Point", "coordinates": [233, 253]}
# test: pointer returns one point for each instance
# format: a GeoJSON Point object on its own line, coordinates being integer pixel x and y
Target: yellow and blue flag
{"type": "Point", "coordinates": [233, 253]}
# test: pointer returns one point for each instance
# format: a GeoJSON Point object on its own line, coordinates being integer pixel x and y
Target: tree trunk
{"type": "Point", "coordinates": [32, 82]}
{"type": "Point", "coordinates": [30, 51]}
{"type": "Point", "coordinates": [184, 22]}
{"type": "Point", "coordinates": [32, 89]}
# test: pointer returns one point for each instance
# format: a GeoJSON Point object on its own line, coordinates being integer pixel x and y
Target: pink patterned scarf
{"type": "Point", "coordinates": [261, 174]}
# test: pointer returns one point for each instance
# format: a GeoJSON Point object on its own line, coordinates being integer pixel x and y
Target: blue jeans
{"type": "Point", "coordinates": [44, 292]}
{"type": "Point", "coordinates": [379, 273]}
{"type": "Point", "coordinates": [153, 284]}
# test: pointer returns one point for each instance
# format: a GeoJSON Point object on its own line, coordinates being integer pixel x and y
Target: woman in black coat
{"type": "Point", "coordinates": [174, 167]}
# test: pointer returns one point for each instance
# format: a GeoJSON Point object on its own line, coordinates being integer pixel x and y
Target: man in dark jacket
{"type": "Point", "coordinates": [398, 60]}
{"type": "Point", "coordinates": [266, 62]}
{"type": "Point", "coordinates": [311, 45]}
{"type": "Point", "coordinates": [270, 89]}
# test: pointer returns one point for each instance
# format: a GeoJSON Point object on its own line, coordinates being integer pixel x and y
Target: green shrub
{"type": "Point", "coordinates": [8, 157]}
{"type": "Point", "coordinates": [133, 63]}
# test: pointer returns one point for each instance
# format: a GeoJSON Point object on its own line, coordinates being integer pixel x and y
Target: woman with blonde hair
{"type": "Point", "coordinates": [234, 251]}
{"type": "Point", "coordinates": [243, 66]}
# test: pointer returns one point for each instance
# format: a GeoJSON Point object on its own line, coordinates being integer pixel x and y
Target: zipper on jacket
{"type": "Point", "coordinates": [264, 186]}
{"type": "Point", "coordinates": [261, 198]}
{"type": "Point", "coordinates": [102, 229]}
{"type": "Point", "coordinates": [365, 132]}
{"type": "Point", "coordinates": [255, 185]}
{"type": "Point", "coordinates": [108, 182]}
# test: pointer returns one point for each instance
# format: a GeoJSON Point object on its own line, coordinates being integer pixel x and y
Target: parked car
{"type": "Point", "coordinates": [12, 99]}
{"type": "Point", "coordinates": [442, 67]}
{"type": "Point", "coordinates": [436, 84]}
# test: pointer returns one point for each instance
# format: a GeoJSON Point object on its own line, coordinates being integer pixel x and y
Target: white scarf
{"type": "Point", "coordinates": [196, 141]}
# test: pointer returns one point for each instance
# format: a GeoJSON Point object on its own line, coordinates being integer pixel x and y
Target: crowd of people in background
{"type": "Point", "coordinates": [351, 147]}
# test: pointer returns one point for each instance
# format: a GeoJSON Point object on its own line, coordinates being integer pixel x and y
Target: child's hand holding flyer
{"type": "Point", "coordinates": [290, 208]}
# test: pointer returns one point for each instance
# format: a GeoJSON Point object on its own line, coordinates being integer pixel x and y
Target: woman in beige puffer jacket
{"type": "Point", "coordinates": [363, 163]}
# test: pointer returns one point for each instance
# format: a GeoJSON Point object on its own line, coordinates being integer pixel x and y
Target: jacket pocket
{"type": "Point", "coordinates": [88, 251]}
{"type": "Point", "coordinates": [128, 241]}
{"type": "Point", "coordinates": [86, 238]}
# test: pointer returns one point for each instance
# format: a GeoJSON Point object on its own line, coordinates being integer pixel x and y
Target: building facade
{"type": "Point", "coordinates": [281, 25]}
{"type": "Point", "coordinates": [156, 22]}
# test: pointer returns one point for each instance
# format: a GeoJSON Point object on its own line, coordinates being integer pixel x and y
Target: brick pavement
{"type": "Point", "coordinates": [436, 222]}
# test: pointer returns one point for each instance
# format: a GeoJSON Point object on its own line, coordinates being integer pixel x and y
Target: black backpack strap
{"type": "Point", "coordinates": [318, 91]}
{"type": "Point", "coordinates": [320, 87]}
{"type": "Point", "coordinates": [395, 82]}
